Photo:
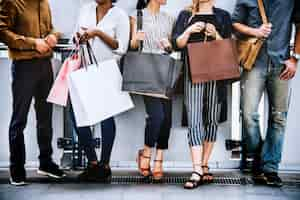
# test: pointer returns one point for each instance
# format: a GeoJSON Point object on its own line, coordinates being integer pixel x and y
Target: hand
{"type": "Point", "coordinates": [41, 46]}
{"type": "Point", "coordinates": [211, 30]}
{"type": "Point", "coordinates": [51, 40]}
{"type": "Point", "coordinates": [140, 36]}
{"type": "Point", "coordinates": [290, 69]}
{"type": "Point", "coordinates": [165, 45]}
{"type": "Point", "coordinates": [263, 31]}
{"type": "Point", "coordinates": [87, 34]}
{"type": "Point", "coordinates": [198, 27]}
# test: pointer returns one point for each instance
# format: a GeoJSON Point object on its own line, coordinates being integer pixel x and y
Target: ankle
{"type": "Point", "coordinates": [147, 151]}
{"type": "Point", "coordinates": [198, 168]}
{"type": "Point", "coordinates": [93, 163]}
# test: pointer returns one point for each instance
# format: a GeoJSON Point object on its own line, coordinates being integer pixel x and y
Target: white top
{"type": "Point", "coordinates": [156, 27]}
{"type": "Point", "coordinates": [115, 23]}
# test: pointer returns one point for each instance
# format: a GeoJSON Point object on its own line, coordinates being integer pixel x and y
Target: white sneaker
{"type": "Point", "coordinates": [17, 182]}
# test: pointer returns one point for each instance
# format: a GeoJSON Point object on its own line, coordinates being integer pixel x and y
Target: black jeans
{"type": "Point", "coordinates": [30, 79]}
{"type": "Point", "coordinates": [158, 122]}
{"type": "Point", "coordinates": [85, 138]}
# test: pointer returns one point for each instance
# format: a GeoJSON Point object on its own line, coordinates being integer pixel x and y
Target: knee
{"type": "Point", "coordinates": [17, 125]}
{"type": "Point", "coordinates": [278, 119]}
{"type": "Point", "coordinates": [155, 120]}
{"type": "Point", "coordinates": [250, 119]}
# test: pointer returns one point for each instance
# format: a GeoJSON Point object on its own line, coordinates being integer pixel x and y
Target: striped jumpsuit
{"type": "Point", "coordinates": [201, 100]}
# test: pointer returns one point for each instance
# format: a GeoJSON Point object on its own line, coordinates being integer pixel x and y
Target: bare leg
{"type": "Point", "coordinates": [196, 154]}
{"type": "Point", "coordinates": [144, 159]}
{"type": "Point", "coordinates": [207, 151]}
{"type": "Point", "coordinates": [158, 165]}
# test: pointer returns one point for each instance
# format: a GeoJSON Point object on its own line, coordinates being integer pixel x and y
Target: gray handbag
{"type": "Point", "coordinates": [150, 74]}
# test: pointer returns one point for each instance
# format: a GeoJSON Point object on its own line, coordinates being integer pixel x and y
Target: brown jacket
{"type": "Point", "coordinates": [21, 22]}
{"type": "Point", "coordinates": [297, 40]}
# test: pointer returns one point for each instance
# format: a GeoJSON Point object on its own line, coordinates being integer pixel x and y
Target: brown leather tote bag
{"type": "Point", "coordinates": [213, 60]}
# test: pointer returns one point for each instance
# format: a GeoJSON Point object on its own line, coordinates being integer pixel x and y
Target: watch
{"type": "Point", "coordinates": [296, 56]}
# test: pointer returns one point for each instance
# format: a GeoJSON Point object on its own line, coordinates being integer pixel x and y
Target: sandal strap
{"type": "Point", "coordinates": [197, 165]}
{"type": "Point", "coordinates": [205, 166]}
{"type": "Point", "coordinates": [146, 157]}
{"type": "Point", "coordinates": [161, 161]}
{"type": "Point", "coordinates": [141, 152]}
{"type": "Point", "coordinates": [195, 183]}
{"type": "Point", "coordinates": [198, 174]}
{"type": "Point", "coordinates": [207, 174]}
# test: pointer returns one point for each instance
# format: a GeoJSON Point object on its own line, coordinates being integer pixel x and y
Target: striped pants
{"type": "Point", "coordinates": [201, 101]}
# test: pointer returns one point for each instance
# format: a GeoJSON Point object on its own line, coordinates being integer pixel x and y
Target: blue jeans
{"type": "Point", "coordinates": [264, 76]}
{"type": "Point", "coordinates": [86, 140]}
{"type": "Point", "coordinates": [158, 122]}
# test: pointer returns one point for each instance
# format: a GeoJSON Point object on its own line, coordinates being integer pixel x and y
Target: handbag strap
{"type": "Point", "coordinates": [140, 27]}
{"type": "Point", "coordinates": [262, 11]}
{"type": "Point", "coordinates": [91, 54]}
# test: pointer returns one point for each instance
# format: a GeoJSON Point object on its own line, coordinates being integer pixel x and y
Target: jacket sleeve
{"type": "Point", "coordinates": [179, 28]}
{"type": "Point", "coordinates": [228, 23]}
{"type": "Point", "coordinates": [8, 14]}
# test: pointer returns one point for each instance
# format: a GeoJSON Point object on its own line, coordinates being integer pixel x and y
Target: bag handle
{"type": "Point", "coordinates": [140, 27]}
{"type": "Point", "coordinates": [262, 11]}
{"type": "Point", "coordinates": [91, 54]}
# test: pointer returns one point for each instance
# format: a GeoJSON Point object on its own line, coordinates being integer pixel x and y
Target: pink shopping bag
{"type": "Point", "coordinates": [59, 91]}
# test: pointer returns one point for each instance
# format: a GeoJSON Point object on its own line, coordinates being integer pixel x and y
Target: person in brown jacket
{"type": "Point", "coordinates": [26, 28]}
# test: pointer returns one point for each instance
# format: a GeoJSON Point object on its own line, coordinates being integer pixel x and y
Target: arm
{"type": "Point", "coordinates": [8, 13]}
{"type": "Point", "coordinates": [181, 34]}
{"type": "Point", "coordinates": [134, 41]}
{"type": "Point", "coordinates": [92, 33]}
{"type": "Point", "coordinates": [239, 18]}
{"type": "Point", "coordinates": [110, 41]}
{"type": "Point", "coordinates": [178, 41]}
{"type": "Point", "coordinates": [291, 63]}
{"type": "Point", "coordinates": [183, 39]}
{"type": "Point", "coordinates": [262, 32]}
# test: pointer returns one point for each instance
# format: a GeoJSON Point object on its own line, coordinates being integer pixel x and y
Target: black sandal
{"type": "Point", "coordinates": [193, 182]}
{"type": "Point", "coordinates": [207, 177]}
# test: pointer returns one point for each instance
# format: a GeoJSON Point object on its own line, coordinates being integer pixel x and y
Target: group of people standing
{"type": "Point", "coordinates": [26, 28]}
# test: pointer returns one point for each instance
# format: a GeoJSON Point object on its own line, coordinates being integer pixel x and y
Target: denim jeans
{"type": "Point", "coordinates": [86, 140]}
{"type": "Point", "coordinates": [158, 122]}
{"type": "Point", "coordinates": [264, 77]}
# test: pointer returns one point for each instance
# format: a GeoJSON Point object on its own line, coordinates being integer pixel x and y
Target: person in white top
{"type": "Point", "coordinates": [107, 29]}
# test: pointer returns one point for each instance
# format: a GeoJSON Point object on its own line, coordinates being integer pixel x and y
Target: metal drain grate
{"type": "Point", "coordinates": [175, 180]}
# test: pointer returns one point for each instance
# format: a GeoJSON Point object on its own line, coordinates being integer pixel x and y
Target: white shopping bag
{"type": "Point", "coordinates": [96, 93]}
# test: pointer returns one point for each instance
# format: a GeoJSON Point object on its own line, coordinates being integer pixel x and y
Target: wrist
{"type": "Point", "coordinates": [187, 33]}
{"type": "Point", "coordinates": [134, 44]}
{"type": "Point", "coordinates": [296, 57]}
